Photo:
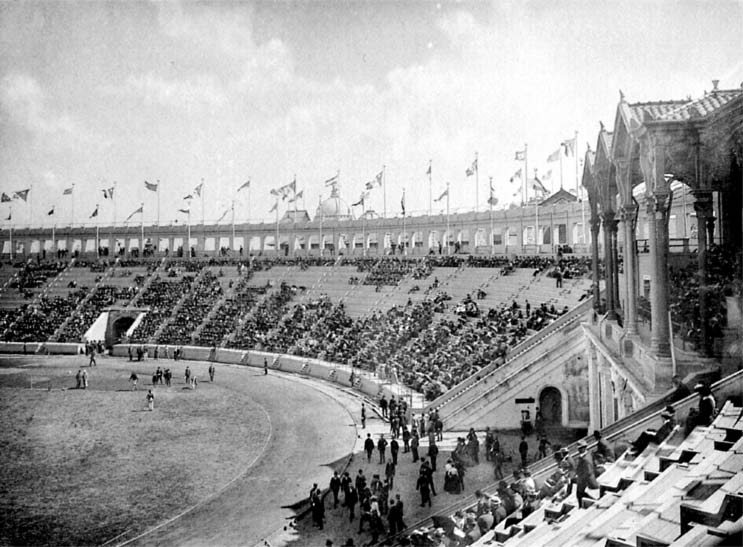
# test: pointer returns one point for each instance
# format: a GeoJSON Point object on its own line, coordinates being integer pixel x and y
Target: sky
{"type": "Point", "coordinates": [94, 94]}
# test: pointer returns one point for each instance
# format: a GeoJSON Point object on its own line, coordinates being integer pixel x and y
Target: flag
{"type": "Point", "coordinates": [402, 204]}
{"type": "Point", "coordinates": [443, 195]}
{"type": "Point", "coordinates": [139, 210]}
{"type": "Point", "coordinates": [198, 189]}
{"type": "Point", "coordinates": [22, 194]}
{"type": "Point", "coordinates": [184, 211]}
{"type": "Point", "coordinates": [283, 191]}
{"type": "Point", "coordinates": [538, 186]}
{"type": "Point", "coordinates": [296, 196]}
{"type": "Point", "coordinates": [520, 155]}
{"type": "Point", "coordinates": [51, 211]}
{"type": "Point", "coordinates": [547, 175]}
{"type": "Point", "coordinates": [554, 156]}
{"type": "Point", "coordinates": [275, 207]}
{"type": "Point", "coordinates": [569, 146]}
{"type": "Point", "coordinates": [428, 172]}
{"type": "Point", "coordinates": [369, 185]}
{"type": "Point", "coordinates": [150, 186]}
{"type": "Point", "coordinates": [67, 191]}
{"type": "Point", "coordinates": [492, 200]}
{"type": "Point", "coordinates": [189, 196]}
{"type": "Point", "coordinates": [244, 185]}
{"type": "Point", "coordinates": [380, 176]}
{"type": "Point", "coordinates": [516, 175]}
{"type": "Point", "coordinates": [223, 215]}
{"type": "Point", "coordinates": [5, 197]}
{"type": "Point", "coordinates": [10, 215]}
{"type": "Point", "coordinates": [332, 180]}
{"type": "Point", "coordinates": [472, 169]}
{"type": "Point", "coordinates": [108, 193]}
{"type": "Point", "coordinates": [95, 213]}
{"type": "Point", "coordinates": [362, 199]}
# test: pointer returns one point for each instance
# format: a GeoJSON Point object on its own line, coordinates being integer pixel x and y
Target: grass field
{"type": "Point", "coordinates": [80, 467]}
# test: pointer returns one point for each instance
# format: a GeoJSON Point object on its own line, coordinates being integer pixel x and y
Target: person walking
{"type": "Point", "coordinates": [92, 362]}
{"type": "Point", "coordinates": [79, 378]}
{"type": "Point", "coordinates": [265, 366]}
{"type": "Point", "coordinates": [382, 447]}
{"type": "Point", "coordinates": [134, 379]}
{"type": "Point", "coordinates": [389, 472]}
{"type": "Point", "coordinates": [524, 451]}
{"type": "Point", "coordinates": [433, 452]}
{"type": "Point", "coordinates": [335, 486]}
{"type": "Point", "coordinates": [394, 450]}
{"type": "Point", "coordinates": [352, 498]}
{"type": "Point", "coordinates": [363, 416]}
{"type": "Point", "coordinates": [369, 447]}
{"type": "Point", "coordinates": [150, 400]}
{"type": "Point", "coordinates": [414, 442]}
{"type": "Point", "coordinates": [423, 486]}
{"type": "Point", "coordinates": [585, 474]}
{"type": "Point", "coordinates": [85, 379]}
{"type": "Point", "coordinates": [188, 375]}
{"type": "Point", "coordinates": [211, 372]}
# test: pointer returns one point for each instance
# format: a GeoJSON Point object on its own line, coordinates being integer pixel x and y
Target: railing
{"type": "Point", "coordinates": [628, 427]}
{"type": "Point", "coordinates": [518, 351]}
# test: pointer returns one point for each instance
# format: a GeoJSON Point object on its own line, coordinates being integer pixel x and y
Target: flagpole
{"type": "Point", "coordinates": [477, 184]}
{"type": "Point", "coordinates": [490, 201]}
{"type": "Point", "coordinates": [203, 222]}
{"type": "Point", "coordinates": [232, 246]}
{"type": "Point", "coordinates": [10, 219]}
{"type": "Point", "coordinates": [551, 187]}
{"type": "Point", "coordinates": [141, 243]}
{"type": "Point", "coordinates": [322, 216]}
{"type": "Point", "coordinates": [404, 246]}
{"type": "Point", "coordinates": [363, 225]}
{"type": "Point", "coordinates": [188, 233]}
{"type": "Point", "coordinates": [536, 227]}
{"type": "Point", "coordinates": [97, 239]}
{"type": "Point", "coordinates": [575, 153]}
{"type": "Point", "coordinates": [158, 203]}
{"type": "Point", "coordinates": [524, 180]}
{"type": "Point", "coordinates": [447, 218]}
{"type": "Point", "coordinates": [430, 190]}
{"type": "Point", "coordinates": [384, 189]}
{"type": "Point", "coordinates": [54, 237]}
{"type": "Point", "coordinates": [277, 226]}
{"type": "Point", "coordinates": [72, 212]}
{"type": "Point", "coordinates": [113, 223]}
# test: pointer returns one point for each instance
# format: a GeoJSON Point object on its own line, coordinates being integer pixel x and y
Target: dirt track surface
{"type": "Point", "coordinates": [310, 429]}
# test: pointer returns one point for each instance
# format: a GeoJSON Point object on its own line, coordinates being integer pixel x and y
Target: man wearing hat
{"type": "Point", "coordinates": [497, 510]}
{"type": "Point", "coordinates": [585, 474]}
{"type": "Point", "coordinates": [602, 447]}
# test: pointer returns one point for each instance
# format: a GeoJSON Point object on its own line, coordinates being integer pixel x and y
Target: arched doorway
{"type": "Point", "coordinates": [550, 405]}
{"type": "Point", "coordinates": [119, 328]}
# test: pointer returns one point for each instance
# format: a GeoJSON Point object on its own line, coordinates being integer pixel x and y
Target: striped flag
{"type": "Point", "coordinates": [332, 180]}
{"type": "Point", "coordinates": [139, 210]}
{"type": "Point", "coordinates": [22, 194]}
{"type": "Point", "coordinates": [67, 191]}
{"type": "Point", "coordinates": [471, 170]}
{"type": "Point", "coordinates": [520, 155]}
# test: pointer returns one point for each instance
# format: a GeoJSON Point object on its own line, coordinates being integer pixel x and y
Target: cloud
{"type": "Point", "coordinates": [202, 91]}
{"type": "Point", "coordinates": [25, 103]}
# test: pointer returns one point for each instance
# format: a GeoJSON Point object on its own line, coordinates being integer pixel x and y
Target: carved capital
{"type": "Point", "coordinates": [703, 203]}
{"type": "Point", "coordinates": [628, 213]}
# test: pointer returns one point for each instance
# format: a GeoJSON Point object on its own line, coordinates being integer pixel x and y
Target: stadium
{"type": "Point", "coordinates": [568, 366]}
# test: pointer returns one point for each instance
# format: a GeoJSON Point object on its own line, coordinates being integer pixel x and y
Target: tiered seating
{"type": "Point", "coordinates": [161, 297]}
{"type": "Point", "coordinates": [297, 323]}
{"type": "Point", "coordinates": [683, 491]}
{"type": "Point", "coordinates": [40, 320]}
{"type": "Point", "coordinates": [103, 297]}
{"type": "Point", "coordinates": [192, 310]}
{"type": "Point", "coordinates": [263, 318]}
{"type": "Point", "coordinates": [227, 317]}
{"type": "Point", "coordinates": [28, 281]}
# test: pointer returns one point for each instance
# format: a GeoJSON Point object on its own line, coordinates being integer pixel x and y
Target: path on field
{"type": "Point", "coordinates": [310, 429]}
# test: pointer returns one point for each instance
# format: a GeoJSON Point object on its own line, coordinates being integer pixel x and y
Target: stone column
{"type": "Point", "coordinates": [629, 215]}
{"type": "Point", "coordinates": [614, 228]}
{"type": "Point", "coordinates": [595, 227]}
{"type": "Point", "coordinates": [607, 218]}
{"type": "Point", "coordinates": [594, 419]}
{"type": "Point", "coordinates": [658, 214]}
{"type": "Point", "coordinates": [705, 212]}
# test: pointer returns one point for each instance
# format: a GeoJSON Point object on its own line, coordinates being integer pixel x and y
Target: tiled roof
{"type": "Point", "coordinates": [685, 110]}
{"type": "Point", "coordinates": [655, 110]}
{"type": "Point", "coordinates": [704, 106]}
